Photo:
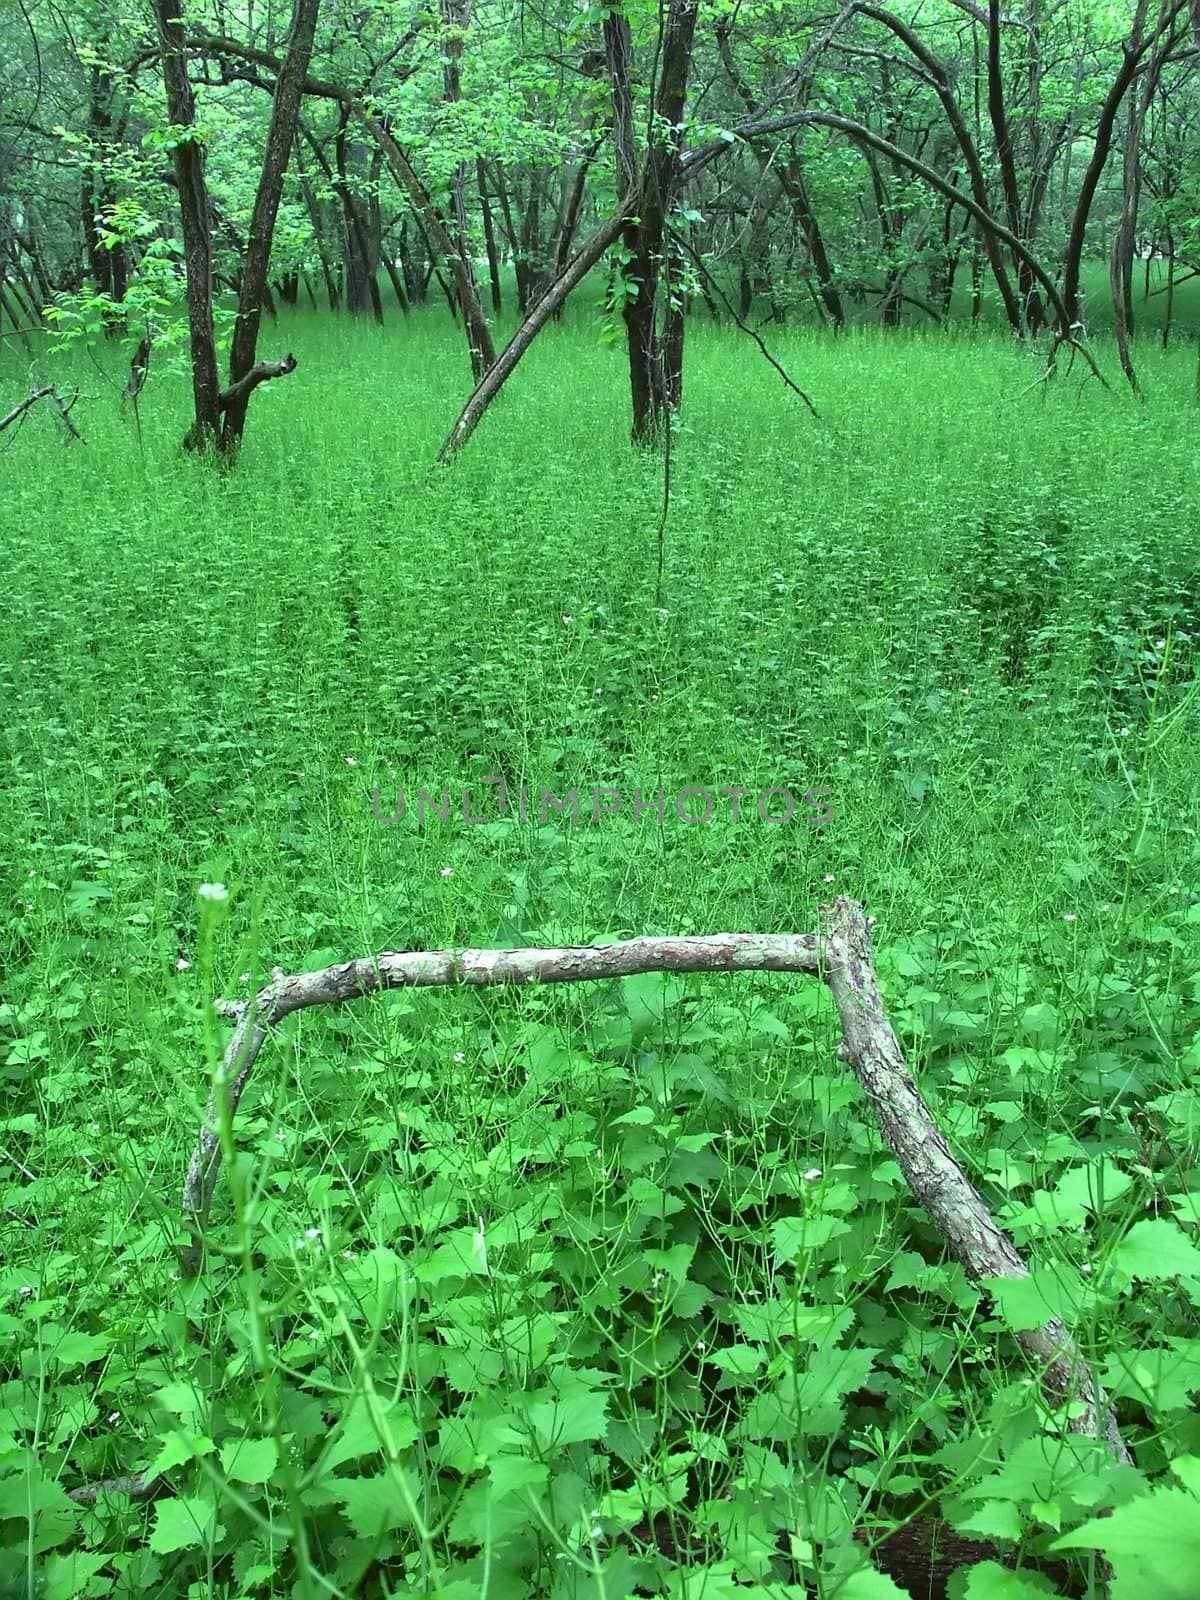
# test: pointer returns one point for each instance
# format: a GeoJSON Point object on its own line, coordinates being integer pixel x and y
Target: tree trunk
{"type": "Point", "coordinates": [651, 380]}
{"type": "Point", "coordinates": [489, 237]}
{"type": "Point", "coordinates": [1132, 53]}
{"type": "Point", "coordinates": [455, 17]}
{"type": "Point", "coordinates": [285, 111]}
{"type": "Point", "coordinates": [312, 205]}
{"type": "Point", "coordinates": [361, 284]}
{"type": "Point", "coordinates": [188, 160]}
{"type": "Point", "coordinates": [540, 313]}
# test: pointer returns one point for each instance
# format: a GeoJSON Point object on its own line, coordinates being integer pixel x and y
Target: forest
{"type": "Point", "coordinates": [599, 799]}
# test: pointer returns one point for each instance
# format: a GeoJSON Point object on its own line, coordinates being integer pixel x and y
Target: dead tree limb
{"type": "Point", "coordinates": [18, 412]}
{"type": "Point", "coordinates": [535, 319]}
{"type": "Point", "coordinates": [133, 1486]}
{"type": "Point", "coordinates": [839, 953]}
{"type": "Point", "coordinates": [61, 406]}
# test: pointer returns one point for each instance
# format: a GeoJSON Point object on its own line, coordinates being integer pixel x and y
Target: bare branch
{"type": "Point", "coordinates": [839, 953]}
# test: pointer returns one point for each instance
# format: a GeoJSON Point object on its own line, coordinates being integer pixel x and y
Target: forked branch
{"type": "Point", "coordinates": [839, 953]}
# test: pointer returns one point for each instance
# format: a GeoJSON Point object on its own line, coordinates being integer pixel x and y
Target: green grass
{"type": "Point", "coordinates": [966, 605]}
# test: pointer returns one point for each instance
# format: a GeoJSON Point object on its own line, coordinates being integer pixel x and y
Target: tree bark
{"type": "Point", "coordinates": [285, 112]}
{"type": "Point", "coordinates": [489, 236]}
{"type": "Point", "coordinates": [839, 954]}
{"type": "Point", "coordinates": [655, 356]}
{"type": "Point", "coordinates": [187, 158]}
{"type": "Point", "coordinates": [1131, 55]}
{"type": "Point", "coordinates": [544, 308]}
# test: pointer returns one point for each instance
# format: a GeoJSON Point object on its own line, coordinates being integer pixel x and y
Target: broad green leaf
{"type": "Point", "coordinates": [569, 1420]}
{"type": "Point", "coordinates": [249, 1460]}
{"type": "Point", "coordinates": [988, 1580]}
{"type": "Point", "coordinates": [360, 1436]}
{"type": "Point", "coordinates": [373, 1505]}
{"type": "Point", "coordinates": [183, 1524]}
{"type": "Point", "coordinates": [1155, 1250]}
{"type": "Point", "coordinates": [1029, 1302]}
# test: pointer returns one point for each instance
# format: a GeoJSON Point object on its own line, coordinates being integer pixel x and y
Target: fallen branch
{"type": "Point", "coordinates": [63, 407]}
{"type": "Point", "coordinates": [539, 314]}
{"type": "Point", "coordinates": [19, 411]}
{"type": "Point", "coordinates": [839, 954]}
{"type": "Point", "coordinates": [135, 1486]}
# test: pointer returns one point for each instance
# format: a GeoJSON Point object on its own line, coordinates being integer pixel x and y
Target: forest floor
{"type": "Point", "coordinates": [507, 1283]}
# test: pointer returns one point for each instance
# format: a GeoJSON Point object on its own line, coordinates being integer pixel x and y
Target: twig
{"type": "Point", "coordinates": [751, 332]}
{"type": "Point", "coordinates": [47, 392]}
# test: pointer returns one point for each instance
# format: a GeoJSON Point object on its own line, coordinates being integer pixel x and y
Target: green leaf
{"type": "Point", "coordinates": [868, 1584]}
{"type": "Point", "coordinates": [794, 1236]}
{"type": "Point", "coordinates": [182, 1524]}
{"type": "Point", "coordinates": [249, 1460]}
{"type": "Point", "coordinates": [177, 1448]}
{"type": "Point", "coordinates": [570, 1419]}
{"type": "Point", "coordinates": [988, 1580]}
{"type": "Point", "coordinates": [373, 1505]}
{"type": "Point", "coordinates": [1153, 1543]}
{"type": "Point", "coordinates": [1156, 1250]}
{"type": "Point", "coordinates": [512, 1473]}
{"type": "Point", "coordinates": [1029, 1302]}
{"type": "Point", "coordinates": [360, 1435]}
{"type": "Point", "coordinates": [80, 1349]}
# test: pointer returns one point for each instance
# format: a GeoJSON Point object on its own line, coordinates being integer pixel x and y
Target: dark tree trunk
{"type": "Point", "coordinates": [792, 176]}
{"type": "Point", "coordinates": [489, 236]}
{"type": "Point", "coordinates": [455, 15]}
{"type": "Point", "coordinates": [188, 161]}
{"type": "Point", "coordinates": [285, 112]}
{"type": "Point", "coordinates": [361, 283]}
{"type": "Point", "coordinates": [1132, 53]}
{"type": "Point", "coordinates": [944, 88]}
{"type": "Point", "coordinates": [652, 377]}
{"type": "Point", "coordinates": [315, 217]}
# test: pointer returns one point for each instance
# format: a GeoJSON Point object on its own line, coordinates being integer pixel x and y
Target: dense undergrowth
{"type": "Point", "coordinates": [600, 1291]}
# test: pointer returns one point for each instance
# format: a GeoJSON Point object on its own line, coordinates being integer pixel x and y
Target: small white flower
{"type": "Point", "coordinates": [1160, 644]}
{"type": "Point", "coordinates": [567, 621]}
{"type": "Point", "coordinates": [245, 978]}
{"type": "Point", "coordinates": [213, 891]}
{"type": "Point", "coordinates": [114, 1416]}
{"type": "Point", "coordinates": [181, 965]}
{"type": "Point", "coordinates": [701, 1346]}
{"type": "Point", "coordinates": [828, 878]}
{"type": "Point", "coordinates": [1122, 733]}
{"type": "Point", "coordinates": [351, 761]}
{"type": "Point", "coordinates": [312, 1233]}
{"type": "Point", "coordinates": [812, 1174]}
{"type": "Point", "coordinates": [281, 1135]}
{"type": "Point", "coordinates": [1086, 1267]}
{"type": "Point", "coordinates": [1070, 916]}
{"type": "Point", "coordinates": [447, 872]}
{"type": "Point", "coordinates": [599, 691]}
{"type": "Point", "coordinates": [459, 1057]}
